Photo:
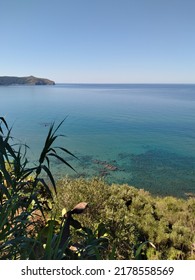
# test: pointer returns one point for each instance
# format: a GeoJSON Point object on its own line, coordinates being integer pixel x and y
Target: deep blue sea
{"type": "Point", "coordinates": [143, 135]}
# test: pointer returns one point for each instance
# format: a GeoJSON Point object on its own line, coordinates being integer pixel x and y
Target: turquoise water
{"type": "Point", "coordinates": [143, 135]}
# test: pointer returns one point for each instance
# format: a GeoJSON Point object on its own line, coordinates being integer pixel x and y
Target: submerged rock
{"type": "Point", "coordinates": [106, 165]}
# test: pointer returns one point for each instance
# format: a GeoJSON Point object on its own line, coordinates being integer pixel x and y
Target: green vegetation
{"type": "Point", "coordinates": [133, 216]}
{"type": "Point", "coordinates": [30, 80]}
{"type": "Point", "coordinates": [28, 229]}
{"type": "Point", "coordinates": [83, 219]}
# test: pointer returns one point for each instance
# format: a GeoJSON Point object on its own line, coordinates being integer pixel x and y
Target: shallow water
{"type": "Point", "coordinates": [142, 135]}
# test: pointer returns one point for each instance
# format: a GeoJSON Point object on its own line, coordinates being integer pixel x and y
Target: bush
{"type": "Point", "coordinates": [133, 216]}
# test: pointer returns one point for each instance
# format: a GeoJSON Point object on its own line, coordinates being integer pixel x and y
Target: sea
{"type": "Point", "coordinates": [142, 135]}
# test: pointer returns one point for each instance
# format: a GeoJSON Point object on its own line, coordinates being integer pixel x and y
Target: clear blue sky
{"type": "Point", "coordinates": [100, 41]}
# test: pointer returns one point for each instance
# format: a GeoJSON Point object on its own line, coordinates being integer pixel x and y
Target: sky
{"type": "Point", "coordinates": [99, 41]}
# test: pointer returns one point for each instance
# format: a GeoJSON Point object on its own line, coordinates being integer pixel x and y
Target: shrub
{"type": "Point", "coordinates": [133, 216]}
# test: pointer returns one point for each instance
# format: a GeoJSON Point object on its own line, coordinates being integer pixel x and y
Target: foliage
{"type": "Point", "coordinates": [26, 199]}
{"type": "Point", "coordinates": [163, 226]}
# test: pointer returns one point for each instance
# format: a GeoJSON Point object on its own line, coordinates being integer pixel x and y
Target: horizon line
{"type": "Point", "coordinates": [126, 83]}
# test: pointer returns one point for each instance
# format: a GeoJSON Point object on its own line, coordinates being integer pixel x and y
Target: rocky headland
{"type": "Point", "coordinates": [30, 80]}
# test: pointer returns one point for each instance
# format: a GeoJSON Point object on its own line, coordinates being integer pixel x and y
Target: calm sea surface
{"type": "Point", "coordinates": [143, 135]}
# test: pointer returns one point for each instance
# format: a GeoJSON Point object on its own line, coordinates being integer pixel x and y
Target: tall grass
{"type": "Point", "coordinates": [25, 197]}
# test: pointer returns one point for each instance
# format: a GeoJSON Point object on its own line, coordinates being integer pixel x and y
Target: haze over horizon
{"type": "Point", "coordinates": [100, 41]}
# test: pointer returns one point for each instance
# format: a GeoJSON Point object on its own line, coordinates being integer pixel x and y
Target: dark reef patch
{"type": "Point", "coordinates": [163, 172]}
{"type": "Point", "coordinates": [158, 171]}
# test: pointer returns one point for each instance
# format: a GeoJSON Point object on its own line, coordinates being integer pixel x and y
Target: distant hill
{"type": "Point", "coordinates": [30, 80]}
